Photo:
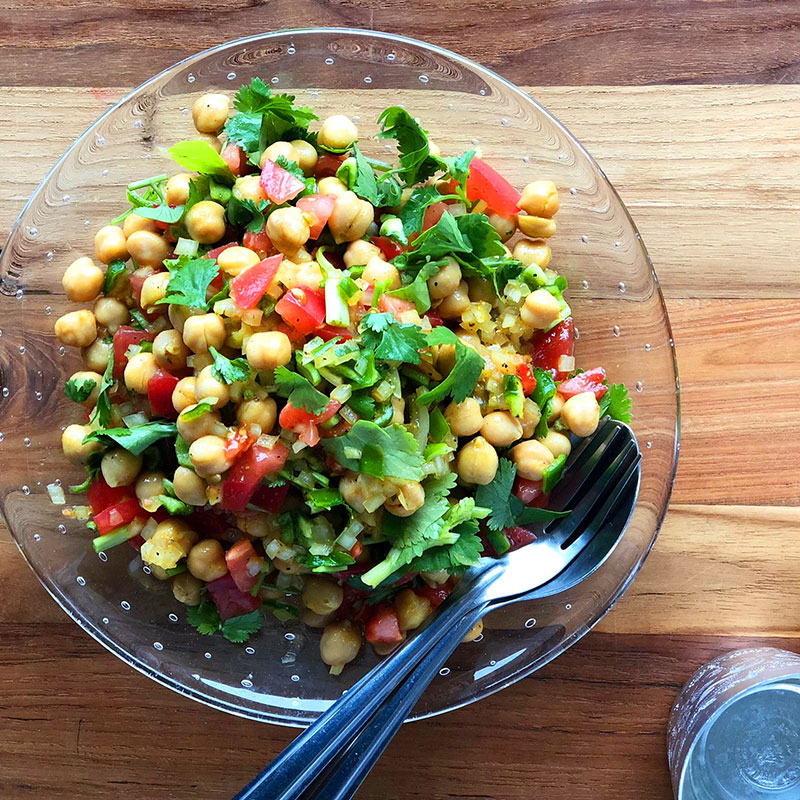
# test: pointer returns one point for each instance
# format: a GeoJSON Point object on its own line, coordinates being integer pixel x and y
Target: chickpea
{"type": "Point", "coordinates": [149, 485]}
{"type": "Point", "coordinates": [171, 541]}
{"type": "Point", "coordinates": [409, 498]}
{"type": "Point", "coordinates": [195, 428]}
{"type": "Point", "coordinates": [208, 387]}
{"type": "Point", "coordinates": [148, 249]}
{"type": "Point", "coordinates": [445, 281]}
{"type": "Point", "coordinates": [82, 280]}
{"type": "Point", "coordinates": [96, 378]}
{"type": "Point", "coordinates": [96, 355]}
{"type": "Point", "coordinates": [110, 244]}
{"type": "Point", "coordinates": [536, 227]}
{"type": "Point", "coordinates": [556, 405]}
{"type": "Point", "coordinates": [531, 414]}
{"type": "Point", "coordinates": [331, 185]}
{"type": "Point", "coordinates": [288, 229]}
{"type": "Point", "coordinates": [504, 225]}
{"type": "Point", "coordinates": [540, 310]}
{"type": "Point", "coordinates": [322, 595]}
{"type": "Point", "coordinates": [481, 290]}
{"type": "Point", "coordinates": [337, 132]}
{"type": "Point", "coordinates": [119, 467]}
{"type": "Point", "coordinates": [556, 443]}
{"type": "Point", "coordinates": [176, 192]}
{"type": "Point", "coordinates": [379, 270]}
{"type": "Point", "coordinates": [202, 332]}
{"type": "Point", "coordinates": [531, 458]}
{"type": "Point", "coordinates": [411, 609]}
{"type": "Point", "coordinates": [474, 632]}
{"type": "Point", "coordinates": [350, 218]}
{"type": "Point", "coordinates": [76, 328]}
{"type": "Point", "coordinates": [169, 350]}
{"type": "Point", "coordinates": [477, 462]}
{"type": "Point", "coordinates": [138, 371]}
{"type": "Point", "coordinates": [361, 252]}
{"type": "Point", "coordinates": [464, 418]}
{"type": "Point", "coordinates": [134, 223]}
{"type": "Point", "coordinates": [72, 443]}
{"type": "Point", "coordinates": [540, 199]}
{"type": "Point", "coordinates": [205, 222]}
{"type": "Point", "coordinates": [306, 155]}
{"type": "Point", "coordinates": [210, 112]}
{"type": "Point", "coordinates": [189, 487]}
{"type": "Point", "coordinates": [111, 313]}
{"type": "Point", "coordinates": [456, 303]}
{"type": "Point", "coordinates": [308, 617]}
{"type": "Point", "coordinates": [268, 349]}
{"type": "Point", "coordinates": [237, 259]}
{"type": "Point", "coordinates": [533, 251]}
{"type": "Point", "coordinates": [208, 455]}
{"type": "Point", "coordinates": [206, 560]}
{"type": "Point", "coordinates": [581, 414]}
{"type": "Point", "coordinates": [154, 289]}
{"type": "Point", "coordinates": [184, 394]}
{"type": "Point", "coordinates": [186, 589]}
{"type": "Point", "coordinates": [501, 429]}
{"type": "Point", "coordinates": [248, 187]}
{"type": "Point", "coordinates": [278, 149]}
{"type": "Point", "coordinates": [179, 314]}
{"type": "Point", "coordinates": [213, 140]}
{"type": "Point", "coordinates": [340, 643]}
{"type": "Point", "coordinates": [260, 411]}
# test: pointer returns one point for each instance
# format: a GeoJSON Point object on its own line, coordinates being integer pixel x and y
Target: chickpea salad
{"type": "Point", "coordinates": [318, 384]}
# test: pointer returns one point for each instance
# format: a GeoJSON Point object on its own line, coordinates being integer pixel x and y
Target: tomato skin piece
{"type": "Point", "coordinates": [124, 337]}
{"type": "Point", "coordinates": [279, 184]}
{"type": "Point", "coordinates": [435, 595]}
{"type": "Point", "coordinates": [137, 278]}
{"type": "Point", "coordinates": [270, 498]}
{"type": "Point", "coordinates": [101, 496]}
{"type": "Point", "coordinates": [487, 184]}
{"type": "Point", "coordinates": [244, 565]}
{"type": "Point", "coordinates": [327, 165]}
{"type": "Point", "coordinates": [394, 305]}
{"type": "Point", "coordinates": [383, 626]}
{"type": "Point", "coordinates": [433, 213]}
{"type": "Point", "coordinates": [159, 394]}
{"type": "Point", "coordinates": [117, 515]}
{"type": "Point", "coordinates": [525, 374]}
{"type": "Point", "coordinates": [217, 250]}
{"type": "Point", "coordinates": [389, 247]}
{"type": "Point", "coordinates": [328, 332]}
{"type": "Point", "coordinates": [589, 381]}
{"type": "Point", "coordinates": [549, 347]}
{"type": "Point", "coordinates": [246, 474]}
{"type": "Point", "coordinates": [434, 319]}
{"type": "Point", "coordinates": [248, 287]}
{"type": "Point", "coordinates": [302, 309]}
{"type": "Point", "coordinates": [518, 537]}
{"type": "Point", "coordinates": [235, 158]}
{"type": "Point", "coordinates": [230, 600]}
{"type": "Point", "coordinates": [319, 206]}
{"type": "Point", "coordinates": [304, 424]}
{"type": "Point", "coordinates": [259, 243]}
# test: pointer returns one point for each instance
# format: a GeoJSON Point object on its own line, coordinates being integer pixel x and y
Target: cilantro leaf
{"type": "Point", "coordinates": [454, 558]}
{"type": "Point", "coordinates": [240, 629]}
{"type": "Point", "coordinates": [458, 167]}
{"type": "Point", "coordinates": [299, 391]}
{"type": "Point", "coordinates": [79, 389]}
{"type": "Point", "coordinates": [416, 160]}
{"type": "Point", "coordinates": [204, 617]}
{"type": "Point", "coordinates": [134, 440]}
{"type": "Point", "coordinates": [417, 292]}
{"type": "Point", "coordinates": [102, 409]}
{"type": "Point", "coordinates": [359, 176]}
{"type": "Point", "coordinates": [182, 452]}
{"type": "Point", "coordinates": [392, 340]}
{"type": "Point", "coordinates": [616, 403]}
{"type": "Point", "coordinates": [390, 452]}
{"type": "Point", "coordinates": [189, 281]}
{"type": "Point", "coordinates": [195, 413]}
{"type": "Point", "coordinates": [163, 213]}
{"type": "Point", "coordinates": [246, 213]}
{"type": "Point", "coordinates": [198, 155]}
{"type": "Point", "coordinates": [227, 370]}
{"type": "Point", "coordinates": [335, 561]}
{"type": "Point", "coordinates": [460, 383]}
{"type": "Point", "coordinates": [413, 212]}
{"type": "Point", "coordinates": [114, 272]}
{"type": "Point", "coordinates": [486, 256]}
{"type": "Point", "coordinates": [292, 167]}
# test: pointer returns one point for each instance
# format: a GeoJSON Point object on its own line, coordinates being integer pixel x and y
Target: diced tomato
{"type": "Point", "coordinates": [138, 277]}
{"type": "Point", "coordinates": [235, 158]}
{"type": "Point", "coordinates": [217, 250]}
{"type": "Point", "coordinates": [518, 537]}
{"type": "Point", "coordinates": [248, 287]}
{"type": "Point", "coordinates": [394, 305]}
{"type": "Point", "coordinates": [328, 332]}
{"type": "Point", "coordinates": [236, 442]}
{"type": "Point", "coordinates": [257, 242]}
{"type": "Point", "coordinates": [101, 495]}
{"type": "Point", "coordinates": [117, 515]}
{"type": "Point", "coordinates": [136, 543]}
{"type": "Point", "coordinates": [230, 600]}
{"type": "Point", "coordinates": [530, 492]}
{"type": "Point", "coordinates": [525, 374]}
{"type": "Point", "coordinates": [549, 347]}
{"type": "Point", "coordinates": [304, 424]}
{"type": "Point", "coordinates": [328, 164]}
{"type": "Point", "coordinates": [383, 626]}
{"type": "Point", "coordinates": [589, 381]}
{"type": "Point", "coordinates": [270, 498]}
{"type": "Point", "coordinates": [279, 184]}
{"type": "Point", "coordinates": [244, 565]}
{"type": "Point", "coordinates": [123, 339]}
{"type": "Point", "coordinates": [302, 309]}
{"type": "Point", "coordinates": [356, 550]}
{"type": "Point", "coordinates": [208, 524]}
{"type": "Point", "coordinates": [389, 247]}
{"type": "Point", "coordinates": [433, 213]}
{"type": "Point", "coordinates": [320, 206]}
{"type": "Point", "coordinates": [159, 393]}
{"type": "Point", "coordinates": [434, 319]}
{"type": "Point", "coordinates": [485, 183]}
{"type": "Point", "coordinates": [247, 473]}
{"type": "Point", "coordinates": [436, 595]}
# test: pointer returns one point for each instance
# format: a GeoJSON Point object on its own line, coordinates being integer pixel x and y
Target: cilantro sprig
{"type": "Point", "coordinates": [189, 281]}
{"type": "Point", "coordinates": [616, 402]}
{"type": "Point", "coordinates": [205, 618]}
{"type": "Point", "coordinates": [392, 340]}
{"type": "Point", "coordinates": [299, 391]}
{"type": "Point", "coordinates": [229, 370]}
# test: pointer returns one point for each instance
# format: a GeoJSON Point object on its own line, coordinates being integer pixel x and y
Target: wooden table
{"type": "Point", "coordinates": [690, 109]}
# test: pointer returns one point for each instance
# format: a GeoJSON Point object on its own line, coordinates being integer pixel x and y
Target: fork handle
{"type": "Point", "coordinates": [343, 778]}
{"type": "Point", "coordinates": [289, 775]}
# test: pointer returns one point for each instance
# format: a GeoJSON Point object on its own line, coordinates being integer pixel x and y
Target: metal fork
{"type": "Point", "coordinates": [333, 756]}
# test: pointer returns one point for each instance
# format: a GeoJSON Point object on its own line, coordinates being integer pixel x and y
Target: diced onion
{"type": "Point", "coordinates": [348, 415]}
{"type": "Point", "coordinates": [186, 247]}
{"type": "Point", "coordinates": [284, 580]}
{"type": "Point", "coordinates": [565, 363]}
{"type": "Point", "coordinates": [346, 541]}
{"type": "Point", "coordinates": [457, 209]}
{"type": "Point", "coordinates": [57, 497]}
{"type": "Point", "coordinates": [134, 420]}
{"type": "Point", "coordinates": [298, 446]}
{"type": "Point", "coordinates": [253, 316]}
{"type": "Point", "coordinates": [342, 393]}
{"type": "Point", "coordinates": [149, 529]}
{"type": "Point", "coordinates": [267, 441]}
